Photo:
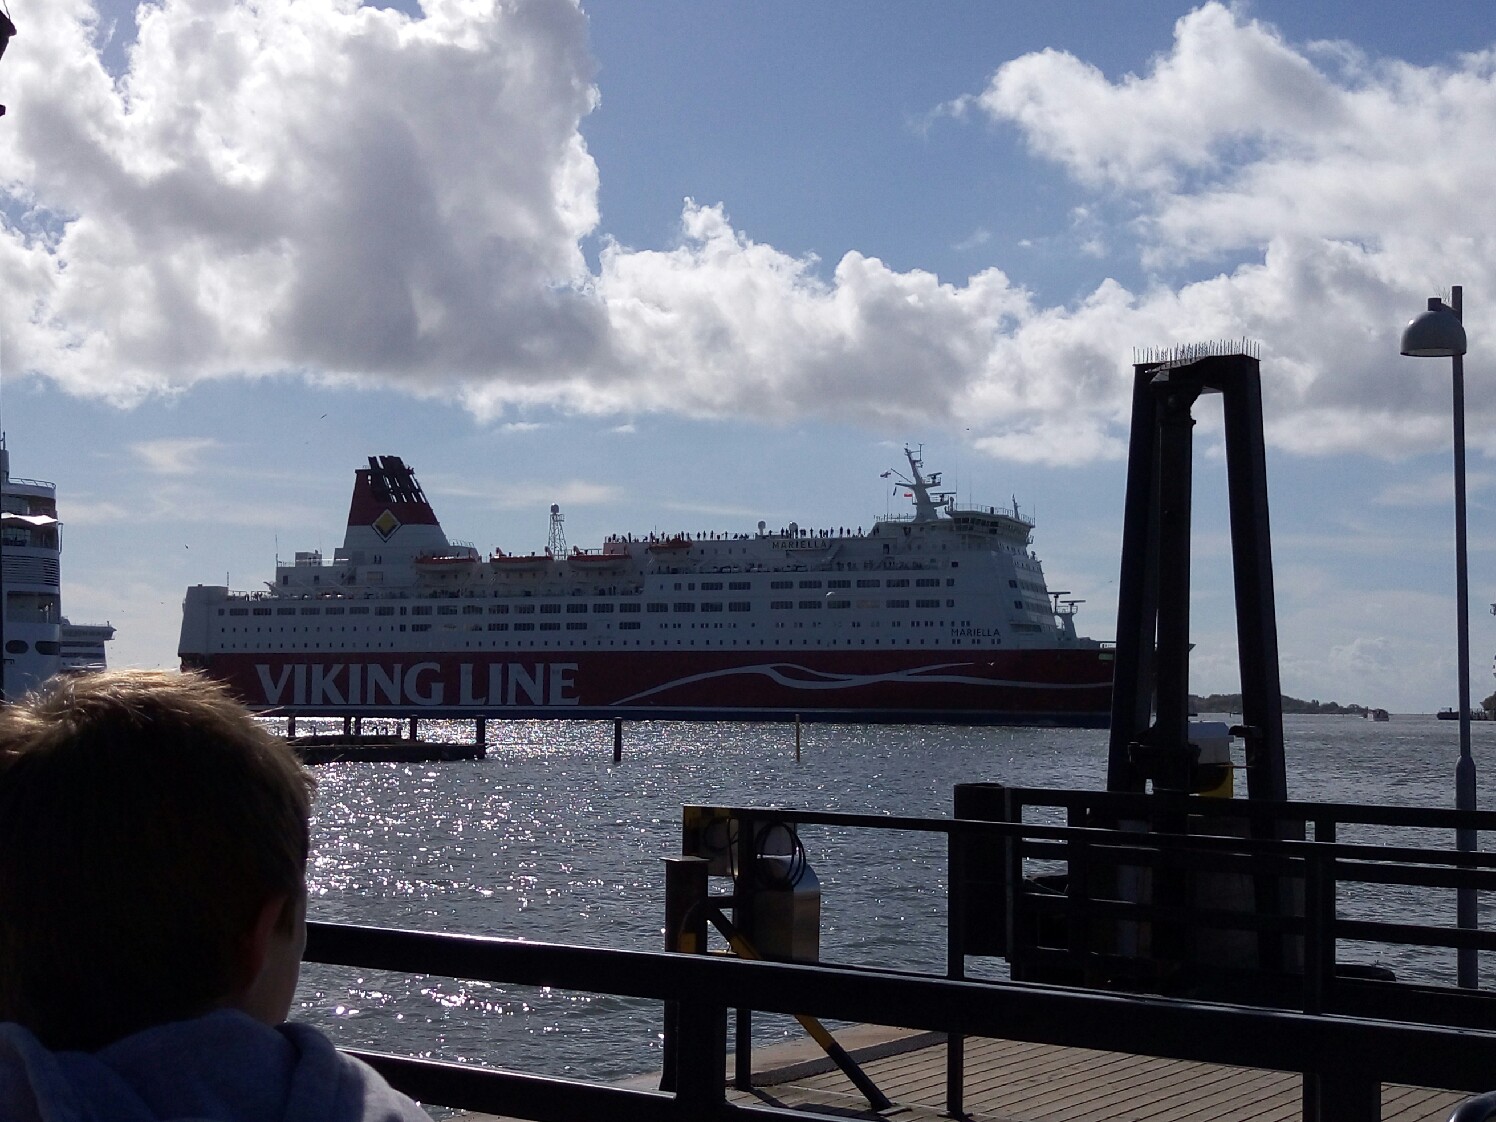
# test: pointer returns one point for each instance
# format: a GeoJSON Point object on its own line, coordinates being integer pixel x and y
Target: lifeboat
{"type": "Point", "coordinates": [450, 560]}
{"type": "Point", "coordinates": [670, 545]}
{"type": "Point", "coordinates": [519, 562]}
{"type": "Point", "coordinates": [596, 562]}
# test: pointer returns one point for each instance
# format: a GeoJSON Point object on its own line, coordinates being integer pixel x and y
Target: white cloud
{"type": "Point", "coordinates": [362, 197]}
{"type": "Point", "coordinates": [174, 456]}
{"type": "Point", "coordinates": [302, 185]}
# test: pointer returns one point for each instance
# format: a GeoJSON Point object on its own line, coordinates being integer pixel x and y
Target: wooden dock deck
{"type": "Point", "coordinates": [1010, 1081]}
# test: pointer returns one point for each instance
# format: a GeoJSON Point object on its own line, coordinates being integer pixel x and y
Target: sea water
{"type": "Point", "coordinates": [548, 840]}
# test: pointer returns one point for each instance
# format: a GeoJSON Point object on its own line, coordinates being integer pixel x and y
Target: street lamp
{"type": "Point", "coordinates": [1439, 333]}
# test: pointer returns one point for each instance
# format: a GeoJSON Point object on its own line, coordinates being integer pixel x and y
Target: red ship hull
{"type": "Point", "coordinates": [1048, 687]}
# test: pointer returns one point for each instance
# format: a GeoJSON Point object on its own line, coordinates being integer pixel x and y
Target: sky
{"type": "Point", "coordinates": [685, 266]}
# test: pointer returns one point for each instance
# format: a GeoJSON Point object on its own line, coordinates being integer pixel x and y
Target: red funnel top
{"type": "Point", "coordinates": [386, 494]}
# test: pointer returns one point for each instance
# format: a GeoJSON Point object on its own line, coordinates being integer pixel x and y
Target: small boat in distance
{"type": "Point", "coordinates": [1454, 715]}
{"type": "Point", "coordinates": [1380, 715]}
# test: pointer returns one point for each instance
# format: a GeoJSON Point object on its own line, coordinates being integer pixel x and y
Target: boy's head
{"type": "Point", "coordinates": [153, 847]}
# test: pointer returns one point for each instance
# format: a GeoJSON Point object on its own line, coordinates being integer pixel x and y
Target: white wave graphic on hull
{"type": "Point", "coordinates": [823, 680]}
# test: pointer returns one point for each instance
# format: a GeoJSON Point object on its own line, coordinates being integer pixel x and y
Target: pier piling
{"type": "Point", "coordinates": [617, 740]}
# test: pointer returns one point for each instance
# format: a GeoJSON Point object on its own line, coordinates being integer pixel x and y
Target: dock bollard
{"type": "Point", "coordinates": [617, 740]}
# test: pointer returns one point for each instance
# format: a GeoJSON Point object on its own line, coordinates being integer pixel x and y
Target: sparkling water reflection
{"type": "Point", "coordinates": [547, 840]}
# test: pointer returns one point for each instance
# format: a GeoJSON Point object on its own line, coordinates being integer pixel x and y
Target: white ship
{"type": "Point", "coordinates": [37, 641]}
{"type": "Point", "coordinates": [938, 615]}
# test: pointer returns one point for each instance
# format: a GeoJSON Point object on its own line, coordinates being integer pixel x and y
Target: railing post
{"type": "Point", "coordinates": [700, 1091]}
{"type": "Point", "coordinates": [1342, 1095]}
{"type": "Point", "coordinates": [955, 966]}
{"type": "Point", "coordinates": [1319, 930]}
{"type": "Point", "coordinates": [685, 931]}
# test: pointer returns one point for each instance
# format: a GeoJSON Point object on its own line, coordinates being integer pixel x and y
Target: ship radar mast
{"type": "Point", "coordinates": [927, 501]}
{"type": "Point", "coordinates": [555, 544]}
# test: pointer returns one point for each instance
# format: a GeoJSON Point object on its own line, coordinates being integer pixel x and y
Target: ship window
{"type": "Point", "coordinates": [311, 611]}
{"type": "Point", "coordinates": [950, 603]}
{"type": "Point", "coordinates": [420, 610]}
{"type": "Point", "coordinates": [810, 584]}
{"type": "Point", "coordinates": [656, 606]}
{"type": "Point", "coordinates": [630, 607]}
{"type": "Point", "coordinates": [682, 606]}
{"type": "Point", "coordinates": [898, 582]}
{"type": "Point", "coordinates": [498, 609]}
{"type": "Point", "coordinates": [576, 609]}
{"type": "Point", "coordinates": [285, 611]}
{"type": "Point", "coordinates": [576, 625]}
{"type": "Point", "coordinates": [738, 586]}
{"type": "Point", "coordinates": [15, 646]}
{"type": "Point", "coordinates": [927, 603]}
{"type": "Point", "coordinates": [238, 611]}
{"type": "Point", "coordinates": [629, 625]}
{"type": "Point", "coordinates": [711, 586]}
{"type": "Point", "coordinates": [334, 611]}
{"type": "Point", "coordinates": [524, 609]}
{"type": "Point", "coordinates": [550, 626]}
{"type": "Point", "coordinates": [420, 627]}
{"type": "Point", "coordinates": [1012, 584]}
{"type": "Point", "coordinates": [602, 609]}
{"type": "Point", "coordinates": [384, 611]}
{"type": "Point", "coordinates": [1018, 604]}
{"type": "Point", "coordinates": [838, 603]}
{"type": "Point", "coordinates": [927, 582]}
{"type": "Point", "coordinates": [950, 582]}
{"type": "Point", "coordinates": [898, 603]}
{"type": "Point", "coordinates": [810, 604]}
{"type": "Point", "coordinates": [781, 605]}
{"type": "Point", "coordinates": [869, 583]}
{"type": "Point", "coordinates": [358, 611]}
{"type": "Point", "coordinates": [838, 584]}
{"type": "Point", "coordinates": [550, 609]}
{"type": "Point", "coordinates": [259, 611]}
{"type": "Point", "coordinates": [739, 606]}
{"type": "Point", "coordinates": [446, 609]}
{"type": "Point", "coordinates": [711, 606]}
{"type": "Point", "coordinates": [781, 584]}
{"type": "Point", "coordinates": [524, 627]}
{"type": "Point", "coordinates": [472, 609]}
{"type": "Point", "coordinates": [498, 627]}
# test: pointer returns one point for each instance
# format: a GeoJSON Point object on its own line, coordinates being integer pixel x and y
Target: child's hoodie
{"type": "Point", "coordinates": [224, 1066]}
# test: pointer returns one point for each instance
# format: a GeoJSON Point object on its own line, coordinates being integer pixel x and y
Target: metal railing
{"type": "Point", "coordinates": [1345, 1060]}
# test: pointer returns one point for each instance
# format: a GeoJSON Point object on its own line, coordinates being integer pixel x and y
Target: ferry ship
{"type": "Point", "coordinates": [38, 642]}
{"type": "Point", "coordinates": [941, 615]}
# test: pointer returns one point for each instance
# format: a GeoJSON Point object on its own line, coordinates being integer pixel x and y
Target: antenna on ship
{"type": "Point", "coordinates": [555, 544]}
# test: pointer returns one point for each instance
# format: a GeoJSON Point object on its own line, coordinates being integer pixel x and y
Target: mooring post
{"type": "Point", "coordinates": [480, 735]}
{"type": "Point", "coordinates": [797, 738]}
{"type": "Point", "coordinates": [347, 724]}
{"type": "Point", "coordinates": [290, 727]}
{"type": "Point", "coordinates": [412, 728]}
{"type": "Point", "coordinates": [358, 726]}
{"type": "Point", "coordinates": [685, 931]}
{"type": "Point", "coordinates": [617, 740]}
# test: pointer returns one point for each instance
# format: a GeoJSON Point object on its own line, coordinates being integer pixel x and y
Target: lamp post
{"type": "Point", "coordinates": [1440, 333]}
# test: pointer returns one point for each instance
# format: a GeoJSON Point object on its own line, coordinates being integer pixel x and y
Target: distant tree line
{"type": "Point", "coordinates": [1231, 703]}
